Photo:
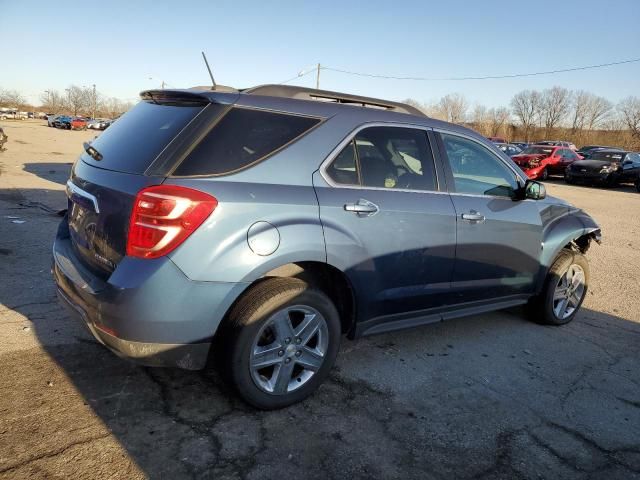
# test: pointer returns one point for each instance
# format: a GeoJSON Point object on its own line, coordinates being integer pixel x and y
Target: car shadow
{"type": "Point", "coordinates": [488, 396]}
{"type": "Point", "coordinates": [54, 172]}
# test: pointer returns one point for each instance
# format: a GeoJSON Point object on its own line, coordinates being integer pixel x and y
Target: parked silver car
{"type": "Point", "coordinates": [252, 229]}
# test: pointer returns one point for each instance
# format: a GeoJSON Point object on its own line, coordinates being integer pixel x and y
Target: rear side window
{"type": "Point", "coordinates": [133, 141]}
{"type": "Point", "coordinates": [241, 138]}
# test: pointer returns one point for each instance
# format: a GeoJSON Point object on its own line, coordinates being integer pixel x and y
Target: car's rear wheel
{"type": "Point", "coordinates": [564, 290]}
{"type": "Point", "coordinates": [638, 185]}
{"type": "Point", "coordinates": [282, 339]}
{"type": "Point", "coordinates": [545, 174]}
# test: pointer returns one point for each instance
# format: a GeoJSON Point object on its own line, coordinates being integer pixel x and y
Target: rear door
{"type": "Point", "coordinates": [498, 238]}
{"type": "Point", "coordinates": [386, 223]}
{"type": "Point", "coordinates": [103, 184]}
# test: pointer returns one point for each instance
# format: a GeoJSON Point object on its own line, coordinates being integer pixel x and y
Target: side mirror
{"type": "Point", "coordinates": [534, 190]}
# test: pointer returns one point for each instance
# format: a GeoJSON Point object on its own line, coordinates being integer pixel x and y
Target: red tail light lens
{"type": "Point", "coordinates": [164, 216]}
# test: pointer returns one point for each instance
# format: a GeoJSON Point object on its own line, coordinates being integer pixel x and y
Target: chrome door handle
{"type": "Point", "coordinates": [473, 217]}
{"type": "Point", "coordinates": [362, 207]}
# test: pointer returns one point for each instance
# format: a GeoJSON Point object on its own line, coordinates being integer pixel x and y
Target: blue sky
{"type": "Point", "coordinates": [118, 45]}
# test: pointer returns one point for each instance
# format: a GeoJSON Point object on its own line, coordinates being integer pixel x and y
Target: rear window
{"type": "Point", "coordinates": [538, 151]}
{"type": "Point", "coordinates": [131, 143]}
{"type": "Point", "coordinates": [241, 138]}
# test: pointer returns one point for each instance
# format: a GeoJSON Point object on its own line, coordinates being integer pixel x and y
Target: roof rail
{"type": "Point", "coordinates": [303, 93]}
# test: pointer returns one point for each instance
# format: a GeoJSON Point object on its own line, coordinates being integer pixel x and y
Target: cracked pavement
{"type": "Point", "coordinates": [492, 396]}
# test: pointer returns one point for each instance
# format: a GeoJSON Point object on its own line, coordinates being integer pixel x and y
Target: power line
{"type": "Point", "coordinates": [299, 75]}
{"type": "Point", "coordinates": [487, 77]}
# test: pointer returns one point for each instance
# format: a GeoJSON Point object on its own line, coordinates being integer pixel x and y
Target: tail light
{"type": "Point", "coordinates": [164, 216]}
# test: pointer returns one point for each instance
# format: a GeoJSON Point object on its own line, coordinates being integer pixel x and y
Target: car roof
{"type": "Point", "coordinates": [307, 101]}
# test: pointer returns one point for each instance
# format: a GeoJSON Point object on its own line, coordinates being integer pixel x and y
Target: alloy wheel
{"type": "Point", "coordinates": [569, 292]}
{"type": "Point", "coordinates": [289, 349]}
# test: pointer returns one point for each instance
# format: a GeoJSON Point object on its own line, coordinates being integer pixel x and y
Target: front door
{"type": "Point", "coordinates": [499, 240]}
{"type": "Point", "coordinates": [385, 222]}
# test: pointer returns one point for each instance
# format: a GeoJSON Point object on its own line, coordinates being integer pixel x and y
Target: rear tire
{"type": "Point", "coordinates": [565, 288]}
{"type": "Point", "coordinates": [545, 175]}
{"type": "Point", "coordinates": [270, 353]}
{"type": "Point", "coordinates": [638, 184]}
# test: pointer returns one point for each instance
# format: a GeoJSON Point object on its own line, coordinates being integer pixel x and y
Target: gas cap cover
{"type": "Point", "coordinates": [263, 238]}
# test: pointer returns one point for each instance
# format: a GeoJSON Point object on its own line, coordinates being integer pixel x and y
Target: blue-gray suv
{"type": "Point", "coordinates": [252, 229]}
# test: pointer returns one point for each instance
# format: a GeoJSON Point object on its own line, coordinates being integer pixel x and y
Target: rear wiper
{"type": "Point", "coordinates": [95, 154]}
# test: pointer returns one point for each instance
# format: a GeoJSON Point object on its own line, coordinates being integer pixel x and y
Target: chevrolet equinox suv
{"type": "Point", "coordinates": [252, 229]}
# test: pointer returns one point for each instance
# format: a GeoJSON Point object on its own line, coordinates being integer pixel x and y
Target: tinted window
{"type": "Point", "coordinates": [343, 169]}
{"type": "Point", "coordinates": [241, 138]}
{"type": "Point", "coordinates": [476, 170]}
{"type": "Point", "coordinates": [387, 157]}
{"type": "Point", "coordinates": [608, 156]}
{"type": "Point", "coordinates": [132, 143]}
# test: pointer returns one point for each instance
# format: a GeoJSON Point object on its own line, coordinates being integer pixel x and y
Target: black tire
{"type": "Point", "coordinates": [541, 307]}
{"type": "Point", "coordinates": [246, 320]}
{"type": "Point", "coordinates": [545, 175]}
{"type": "Point", "coordinates": [569, 180]}
{"type": "Point", "coordinates": [638, 185]}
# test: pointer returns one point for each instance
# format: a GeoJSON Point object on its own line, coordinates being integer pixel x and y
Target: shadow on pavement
{"type": "Point", "coordinates": [492, 396]}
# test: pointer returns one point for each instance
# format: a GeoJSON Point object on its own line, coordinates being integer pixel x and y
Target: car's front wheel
{"type": "Point", "coordinates": [564, 290]}
{"type": "Point", "coordinates": [638, 184]}
{"type": "Point", "coordinates": [282, 339]}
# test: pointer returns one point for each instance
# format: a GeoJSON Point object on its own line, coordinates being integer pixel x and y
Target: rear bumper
{"type": "Point", "coordinates": [589, 176]}
{"type": "Point", "coordinates": [147, 310]}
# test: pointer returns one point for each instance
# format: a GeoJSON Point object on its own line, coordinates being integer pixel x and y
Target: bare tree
{"type": "Point", "coordinates": [453, 107]}
{"type": "Point", "coordinates": [12, 99]}
{"type": "Point", "coordinates": [497, 119]}
{"type": "Point", "coordinates": [630, 110]}
{"type": "Point", "coordinates": [554, 107]}
{"type": "Point", "coordinates": [414, 103]}
{"type": "Point", "coordinates": [597, 110]}
{"type": "Point", "coordinates": [526, 107]}
{"type": "Point", "coordinates": [52, 101]}
{"type": "Point", "coordinates": [76, 99]}
{"type": "Point", "coordinates": [480, 119]}
{"type": "Point", "coordinates": [580, 106]}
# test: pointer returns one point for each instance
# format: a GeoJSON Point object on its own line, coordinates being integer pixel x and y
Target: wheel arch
{"type": "Point", "coordinates": [574, 231]}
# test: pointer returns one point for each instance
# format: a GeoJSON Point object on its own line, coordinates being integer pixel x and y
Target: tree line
{"type": "Point", "coordinates": [74, 100]}
{"type": "Point", "coordinates": [555, 114]}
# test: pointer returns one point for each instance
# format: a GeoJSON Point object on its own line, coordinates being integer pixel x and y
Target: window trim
{"type": "Point", "coordinates": [444, 158]}
{"type": "Point", "coordinates": [218, 119]}
{"type": "Point", "coordinates": [351, 137]}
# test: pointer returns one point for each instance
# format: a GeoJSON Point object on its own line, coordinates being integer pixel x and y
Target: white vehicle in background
{"type": "Point", "coordinates": [6, 113]}
{"type": "Point", "coordinates": [99, 124]}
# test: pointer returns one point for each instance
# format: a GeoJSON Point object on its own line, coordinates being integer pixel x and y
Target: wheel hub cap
{"type": "Point", "coordinates": [289, 349]}
{"type": "Point", "coordinates": [569, 292]}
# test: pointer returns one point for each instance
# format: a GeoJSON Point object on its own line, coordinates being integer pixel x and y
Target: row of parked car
{"type": "Point", "coordinates": [77, 123]}
{"type": "Point", "coordinates": [604, 165]}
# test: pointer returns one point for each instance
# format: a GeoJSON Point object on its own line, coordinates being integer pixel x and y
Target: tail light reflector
{"type": "Point", "coordinates": [164, 216]}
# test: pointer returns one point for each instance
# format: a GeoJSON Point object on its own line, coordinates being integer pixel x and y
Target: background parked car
{"type": "Point", "coordinates": [99, 124]}
{"type": "Point", "coordinates": [557, 143]}
{"type": "Point", "coordinates": [540, 161]}
{"type": "Point", "coordinates": [607, 167]}
{"type": "Point", "coordinates": [51, 119]}
{"type": "Point", "coordinates": [497, 139]}
{"type": "Point", "coordinates": [63, 121]}
{"type": "Point", "coordinates": [78, 123]}
{"type": "Point", "coordinates": [509, 148]}
{"type": "Point", "coordinates": [521, 145]}
{"type": "Point", "coordinates": [587, 150]}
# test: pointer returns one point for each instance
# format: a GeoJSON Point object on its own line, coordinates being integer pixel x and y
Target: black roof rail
{"type": "Point", "coordinates": [303, 93]}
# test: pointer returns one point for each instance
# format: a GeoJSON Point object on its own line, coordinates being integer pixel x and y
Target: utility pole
{"type": "Point", "coordinates": [48, 99]}
{"type": "Point", "coordinates": [162, 85]}
{"type": "Point", "coordinates": [318, 77]}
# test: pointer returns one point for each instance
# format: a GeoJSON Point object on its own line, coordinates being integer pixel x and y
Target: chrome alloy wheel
{"type": "Point", "coordinates": [289, 349]}
{"type": "Point", "coordinates": [569, 292]}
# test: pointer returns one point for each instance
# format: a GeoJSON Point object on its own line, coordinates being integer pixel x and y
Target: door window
{"type": "Point", "coordinates": [476, 170]}
{"type": "Point", "coordinates": [386, 157]}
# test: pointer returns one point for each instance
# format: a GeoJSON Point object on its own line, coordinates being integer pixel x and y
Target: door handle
{"type": "Point", "coordinates": [473, 217]}
{"type": "Point", "coordinates": [362, 208]}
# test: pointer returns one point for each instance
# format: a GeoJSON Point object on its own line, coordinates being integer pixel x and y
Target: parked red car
{"type": "Point", "coordinates": [540, 161]}
{"type": "Point", "coordinates": [78, 123]}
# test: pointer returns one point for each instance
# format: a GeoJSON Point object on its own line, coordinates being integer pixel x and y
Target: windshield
{"type": "Point", "coordinates": [608, 156]}
{"type": "Point", "coordinates": [538, 151]}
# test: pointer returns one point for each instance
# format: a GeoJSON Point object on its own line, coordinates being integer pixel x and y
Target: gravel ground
{"type": "Point", "coordinates": [491, 396]}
